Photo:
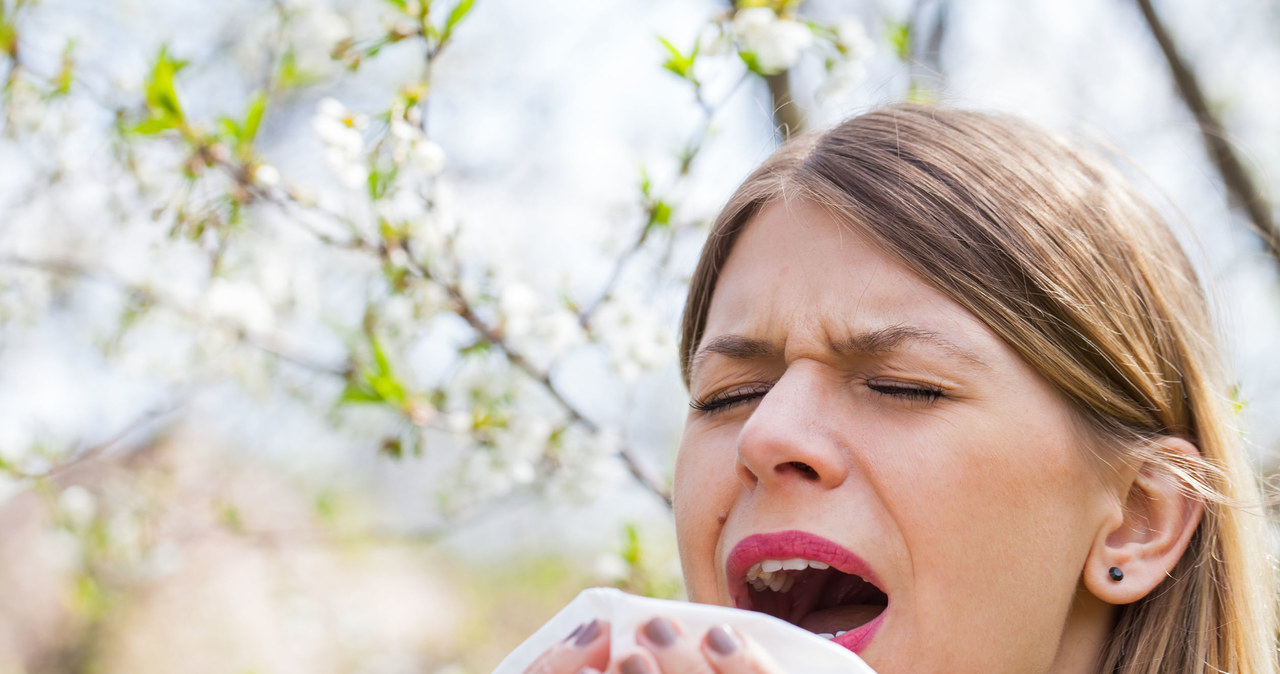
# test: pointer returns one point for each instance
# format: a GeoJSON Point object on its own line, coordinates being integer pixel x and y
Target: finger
{"type": "Point", "coordinates": [638, 663]}
{"type": "Point", "coordinates": [586, 647]}
{"type": "Point", "coordinates": [672, 650]}
{"type": "Point", "coordinates": [731, 653]}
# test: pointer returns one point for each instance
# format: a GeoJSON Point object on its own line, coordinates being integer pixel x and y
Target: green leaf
{"type": "Point", "coordinates": [253, 117]}
{"type": "Point", "coordinates": [631, 546]}
{"type": "Point", "coordinates": [359, 392]}
{"type": "Point", "coordinates": [459, 13]}
{"type": "Point", "coordinates": [151, 127]}
{"type": "Point", "coordinates": [921, 95]}
{"type": "Point", "coordinates": [230, 128]}
{"type": "Point", "coordinates": [402, 4]}
{"type": "Point", "coordinates": [753, 63]}
{"type": "Point", "coordinates": [66, 73]}
{"type": "Point", "coordinates": [162, 97]}
{"type": "Point", "coordinates": [379, 181]}
{"type": "Point", "coordinates": [480, 346]}
{"type": "Point", "coordinates": [8, 34]}
{"type": "Point", "coordinates": [290, 75]}
{"type": "Point", "coordinates": [660, 214]}
{"type": "Point", "coordinates": [677, 62]}
{"type": "Point", "coordinates": [899, 34]}
{"type": "Point", "coordinates": [380, 356]}
{"type": "Point", "coordinates": [389, 389]}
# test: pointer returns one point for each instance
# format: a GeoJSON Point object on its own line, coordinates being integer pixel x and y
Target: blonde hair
{"type": "Point", "coordinates": [1057, 254]}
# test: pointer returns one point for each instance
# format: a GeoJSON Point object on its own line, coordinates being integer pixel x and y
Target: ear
{"type": "Point", "coordinates": [1149, 532]}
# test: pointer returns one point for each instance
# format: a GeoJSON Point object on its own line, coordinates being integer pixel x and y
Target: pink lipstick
{"type": "Point", "coordinates": [811, 582]}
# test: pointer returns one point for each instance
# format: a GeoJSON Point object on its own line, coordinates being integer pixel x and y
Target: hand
{"type": "Point", "coordinates": [585, 649]}
{"type": "Point", "coordinates": [668, 650]}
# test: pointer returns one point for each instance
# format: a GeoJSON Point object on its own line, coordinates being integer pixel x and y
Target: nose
{"type": "Point", "coordinates": [793, 436]}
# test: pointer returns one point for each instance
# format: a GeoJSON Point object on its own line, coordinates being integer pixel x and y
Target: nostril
{"type": "Point", "coordinates": [805, 470]}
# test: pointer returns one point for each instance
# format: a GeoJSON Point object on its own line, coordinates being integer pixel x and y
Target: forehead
{"type": "Point", "coordinates": [796, 269]}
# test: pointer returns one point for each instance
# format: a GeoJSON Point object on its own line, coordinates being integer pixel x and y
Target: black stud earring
{"type": "Point", "coordinates": [1115, 574]}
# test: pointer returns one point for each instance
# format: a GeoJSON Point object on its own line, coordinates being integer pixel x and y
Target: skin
{"type": "Point", "coordinates": [938, 456]}
{"type": "Point", "coordinates": [837, 393]}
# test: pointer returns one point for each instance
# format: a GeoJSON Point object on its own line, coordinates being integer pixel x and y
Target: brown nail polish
{"type": "Point", "coordinates": [635, 665]}
{"type": "Point", "coordinates": [660, 632]}
{"type": "Point", "coordinates": [588, 634]}
{"type": "Point", "coordinates": [722, 641]}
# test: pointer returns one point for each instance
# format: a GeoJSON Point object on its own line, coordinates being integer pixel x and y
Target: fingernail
{"type": "Point", "coordinates": [575, 631]}
{"type": "Point", "coordinates": [660, 632]}
{"type": "Point", "coordinates": [721, 640]}
{"type": "Point", "coordinates": [588, 670]}
{"type": "Point", "coordinates": [635, 665]}
{"type": "Point", "coordinates": [588, 634]}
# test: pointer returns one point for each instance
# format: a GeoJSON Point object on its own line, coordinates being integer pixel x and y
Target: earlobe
{"type": "Point", "coordinates": [1137, 548]}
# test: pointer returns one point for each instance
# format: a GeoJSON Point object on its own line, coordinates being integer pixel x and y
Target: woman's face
{"type": "Point", "coordinates": [847, 414]}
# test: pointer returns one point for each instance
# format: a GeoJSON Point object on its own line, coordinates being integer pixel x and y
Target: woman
{"type": "Point", "coordinates": [956, 403]}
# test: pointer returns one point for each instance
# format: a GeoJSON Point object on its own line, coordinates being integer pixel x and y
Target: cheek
{"type": "Point", "coordinates": [999, 527]}
{"type": "Point", "coordinates": [704, 488]}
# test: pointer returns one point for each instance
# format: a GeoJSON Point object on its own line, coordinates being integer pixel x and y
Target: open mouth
{"type": "Point", "coordinates": [810, 582]}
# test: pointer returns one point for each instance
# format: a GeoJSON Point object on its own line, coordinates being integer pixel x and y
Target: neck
{"type": "Point", "coordinates": [1085, 634]}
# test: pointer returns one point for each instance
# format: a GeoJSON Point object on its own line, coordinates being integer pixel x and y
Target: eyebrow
{"type": "Point", "coordinates": [873, 342]}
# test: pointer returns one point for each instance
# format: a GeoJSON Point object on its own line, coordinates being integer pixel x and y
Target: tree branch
{"type": "Point", "coordinates": [788, 118]}
{"type": "Point", "coordinates": [1242, 192]}
{"type": "Point", "coordinates": [264, 343]}
{"type": "Point", "coordinates": [83, 456]}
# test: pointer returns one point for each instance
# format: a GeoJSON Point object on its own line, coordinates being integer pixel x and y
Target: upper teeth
{"type": "Point", "coordinates": [774, 573]}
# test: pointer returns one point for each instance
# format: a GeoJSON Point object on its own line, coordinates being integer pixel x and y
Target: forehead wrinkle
{"type": "Point", "coordinates": [884, 340]}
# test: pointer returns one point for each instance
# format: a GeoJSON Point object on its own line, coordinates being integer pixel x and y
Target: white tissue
{"type": "Point", "coordinates": [798, 651]}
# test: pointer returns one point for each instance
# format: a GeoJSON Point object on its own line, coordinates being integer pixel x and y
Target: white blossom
{"type": "Point", "coordinates": [852, 39]}
{"type": "Point", "coordinates": [240, 304]}
{"type": "Point", "coordinates": [312, 33]}
{"type": "Point", "coordinates": [586, 463]}
{"type": "Point", "coordinates": [841, 76]}
{"type": "Point", "coordinates": [636, 340]}
{"type": "Point", "coordinates": [266, 175]}
{"type": "Point", "coordinates": [411, 148]}
{"type": "Point", "coordinates": [609, 567]}
{"type": "Point", "coordinates": [427, 157]}
{"type": "Point", "coordinates": [519, 304]}
{"type": "Point", "coordinates": [458, 421]}
{"type": "Point", "coordinates": [776, 43]}
{"type": "Point", "coordinates": [342, 132]}
{"type": "Point", "coordinates": [77, 505]}
{"type": "Point", "coordinates": [714, 43]}
{"type": "Point", "coordinates": [854, 47]}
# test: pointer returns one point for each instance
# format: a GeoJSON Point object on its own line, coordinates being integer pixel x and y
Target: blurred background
{"type": "Point", "coordinates": [339, 335]}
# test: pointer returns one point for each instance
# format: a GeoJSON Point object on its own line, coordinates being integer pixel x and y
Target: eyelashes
{"type": "Point", "coordinates": [725, 400]}
{"type": "Point", "coordinates": [914, 394]}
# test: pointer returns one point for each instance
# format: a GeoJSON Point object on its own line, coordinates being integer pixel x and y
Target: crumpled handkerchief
{"type": "Point", "coordinates": [798, 651]}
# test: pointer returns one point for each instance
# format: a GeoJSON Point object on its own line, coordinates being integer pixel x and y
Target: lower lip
{"type": "Point", "coordinates": [858, 638]}
{"type": "Point", "coordinates": [800, 543]}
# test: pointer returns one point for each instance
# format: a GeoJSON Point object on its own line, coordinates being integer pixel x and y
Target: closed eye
{"type": "Point", "coordinates": [723, 401]}
{"type": "Point", "coordinates": [915, 393]}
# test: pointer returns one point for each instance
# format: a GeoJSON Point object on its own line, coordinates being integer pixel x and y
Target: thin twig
{"type": "Point", "coordinates": [490, 335]}
{"type": "Point", "coordinates": [1241, 190]}
{"type": "Point", "coordinates": [264, 343]}
{"type": "Point", "coordinates": [709, 111]}
{"type": "Point", "coordinates": [97, 450]}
